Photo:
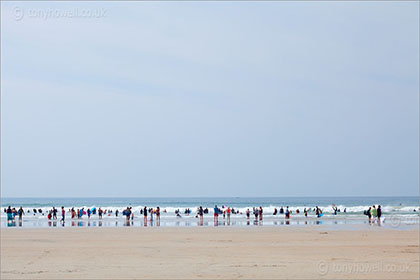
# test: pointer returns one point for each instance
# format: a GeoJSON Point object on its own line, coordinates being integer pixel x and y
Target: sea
{"type": "Point", "coordinates": [398, 212]}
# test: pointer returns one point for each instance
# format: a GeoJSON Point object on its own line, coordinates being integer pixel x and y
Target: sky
{"type": "Point", "coordinates": [163, 99]}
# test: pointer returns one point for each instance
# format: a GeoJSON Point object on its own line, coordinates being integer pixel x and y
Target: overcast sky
{"type": "Point", "coordinates": [210, 99]}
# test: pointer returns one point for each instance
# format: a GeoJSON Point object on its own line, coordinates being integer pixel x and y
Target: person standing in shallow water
{"type": "Point", "coordinates": [127, 215]}
{"type": "Point", "coordinates": [63, 214]}
{"type": "Point", "coordinates": [228, 211]}
{"type": "Point", "coordinates": [369, 214]}
{"type": "Point", "coordinates": [54, 212]}
{"type": "Point", "coordinates": [374, 213]}
{"type": "Point", "coordinates": [379, 213]}
{"type": "Point", "coordinates": [9, 214]}
{"type": "Point", "coordinates": [200, 214]}
{"type": "Point", "coordinates": [158, 215]}
{"type": "Point", "coordinates": [145, 215]}
{"type": "Point", "coordinates": [20, 213]}
{"type": "Point", "coordinates": [216, 214]}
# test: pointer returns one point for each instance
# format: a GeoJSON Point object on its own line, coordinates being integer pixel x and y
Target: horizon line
{"type": "Point", "coordinates": [290, 196]}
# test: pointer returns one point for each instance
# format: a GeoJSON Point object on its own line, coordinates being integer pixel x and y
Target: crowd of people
{"type": "Point", "coordinates": [149, 214]}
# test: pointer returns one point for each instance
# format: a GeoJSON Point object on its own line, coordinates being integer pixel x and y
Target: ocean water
{"type": "Point", "coordinates": [397, 210]}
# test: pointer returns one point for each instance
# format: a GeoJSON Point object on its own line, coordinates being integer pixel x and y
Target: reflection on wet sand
{"type": "Point", "coordinates": [188, 222]}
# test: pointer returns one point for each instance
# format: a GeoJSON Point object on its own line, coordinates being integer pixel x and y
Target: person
{"type": "Point", "coordinates": [9, 214]}
{"type": "Point", "coordinates": [374, 213]}
{"type": "Point", "coordinates": [260, 213]}
{"type": "Point", "coordinates": [100, 212]}
{"type": "Point", "coordinates": [379, 213]}
{"type": "Point", "coordinates": [287, 213]}
{"type": "Point", "coordinates": [247, 213]}
{"type": "Point", "coordinates": [200, 213]}
{"type": "Point", "coordinates": [127, 214]}
{"type": "Point", "coordinates": [369, 214]}
{"type": "Point", "coordinates": [151, 215]}
{"type": "Point", "coordinates": [334, 209]}
{"type": "Point", "coordinates": [256, 213]}
{"type": "Point", "coordinates": [216, 214]}
{"type": "Point", "coordinates": [305, 212]}
{"type": "Point", "coordinates": [145, 215]}
{"type": "Point", "coordinates": [88, 212]}
{"type": "Point", "coordinates": [275, 211]}
{"type": "Point", "coordinates": [20, 213]}
{"type": "Point", "coordinates": [281, 210]}
{"type": "Point", "coordinates": [73, 213]}
{"type": "Point", "coordinates": [318, 212]}
{"type": "Point", "coordinates": [54, 212]}
{"type": "Point", "coordinates": [63, 214]}
{"type": "Point", "coordinates": [158, 214]}
{"type": "Point", "coordinates": [116, 213]}
{"type": "Point", "coordinates": [228, 211]}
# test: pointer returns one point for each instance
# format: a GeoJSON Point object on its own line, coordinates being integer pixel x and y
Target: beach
{"type": "Point", "coordinates": [313, 252]}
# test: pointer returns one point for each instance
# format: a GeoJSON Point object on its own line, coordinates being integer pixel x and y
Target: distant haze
{"type": "Point", "coordinates": [210, 99]}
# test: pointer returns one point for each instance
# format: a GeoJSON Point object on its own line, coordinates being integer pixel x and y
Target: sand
{"type": "Point", "coordinates": [210, 253]}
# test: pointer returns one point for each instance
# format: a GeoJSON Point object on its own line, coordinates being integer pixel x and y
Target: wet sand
{"type": "Point", "coordinates": [210, 253]}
